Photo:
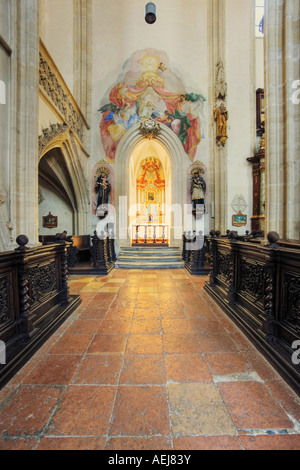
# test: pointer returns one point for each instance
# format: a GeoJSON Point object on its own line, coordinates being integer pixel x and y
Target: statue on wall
{"type": "Point", "coordinates": [102, 189]}
{"type": "Point", "coordinates": [198, 188]}
{"type": "Point", "coordinates": [221, 117]}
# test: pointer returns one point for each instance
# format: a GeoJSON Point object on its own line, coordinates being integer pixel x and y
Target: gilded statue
{"type": "Point", "coordinates": [221, 116]}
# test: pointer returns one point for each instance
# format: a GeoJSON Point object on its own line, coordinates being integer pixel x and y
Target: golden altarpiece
{"type": "Point", "coordinates": [150, 196]}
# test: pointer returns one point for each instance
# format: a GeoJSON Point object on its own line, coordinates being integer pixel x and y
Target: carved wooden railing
{"type": "Point", "coordinates": [34, 300]}
{"type": "Point", "coordinates": [258, 285]}
{"type": "Point", "coordinates": [103, 255]}
{"type": "Point", "coordinates": [150, 234]}
{"type": "Point", "coordinates": [194, 251]}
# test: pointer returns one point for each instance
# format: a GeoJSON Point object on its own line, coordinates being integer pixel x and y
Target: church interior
{"type": "Point", "coordinates": [150, 225]}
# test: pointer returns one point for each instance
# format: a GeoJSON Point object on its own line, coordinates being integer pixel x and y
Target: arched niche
{"type": "Point", "coordinates": [62, 177]}
{"type": "Point", "coordinates": [129, 151]}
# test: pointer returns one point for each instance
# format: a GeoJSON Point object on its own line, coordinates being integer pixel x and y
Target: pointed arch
{"type": "Point", "coordinates": [179, 163]}
{"type": "Point", "coordinates": [64, 162]}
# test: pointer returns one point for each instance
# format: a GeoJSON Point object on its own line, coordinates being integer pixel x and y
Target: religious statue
{"type": "Point", "coordinates": [221, 116]}
{"type": "Point", "coordinates": [198, 189]}
{"type": "Point", "coordinates": [102, 188]}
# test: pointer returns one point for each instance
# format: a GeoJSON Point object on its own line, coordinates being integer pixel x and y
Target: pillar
{"type": "Point", "coordinates": [282, 72]}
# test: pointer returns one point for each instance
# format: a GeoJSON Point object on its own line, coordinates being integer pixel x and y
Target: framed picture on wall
{"type": "Point", "coordinates": [50, 221]}
{"type": "Point", "coordinates": [238, 220]}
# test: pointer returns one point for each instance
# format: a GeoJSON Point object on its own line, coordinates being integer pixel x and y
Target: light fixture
{"type": "Point", "coordinates": [150, 15]}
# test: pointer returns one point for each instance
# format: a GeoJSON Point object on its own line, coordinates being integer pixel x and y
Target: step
{"type": "Point", "coordinates": [146, 259]}
{"type": "Point", "coordinates": [160, 265]}
{"type": "Point", "coordinates": [149, 258]}
{"type": "Point", "coordinates": [142, 249]}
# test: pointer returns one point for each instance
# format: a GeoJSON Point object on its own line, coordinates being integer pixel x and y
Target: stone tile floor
{"type": "Point", "coordinates": [147, 362]}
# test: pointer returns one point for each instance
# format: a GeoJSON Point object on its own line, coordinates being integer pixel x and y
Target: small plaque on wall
{"type": "Point", "coordinates": [239, 220]}
{"type": "Point", "coordinates": [50, 221]}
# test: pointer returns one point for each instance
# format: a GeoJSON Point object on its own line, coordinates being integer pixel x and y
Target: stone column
{"type": "Point", "coordinates": [282, 70]}
{"type": "Point", "coordinates": [83, 55]}
{"type": "Point", "coordinates": [217, 92]}
{"type": "Point", "coordinates": [23, 154]}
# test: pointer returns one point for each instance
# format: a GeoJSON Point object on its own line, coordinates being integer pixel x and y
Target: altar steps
{"type": "Point", "coordinates": [149, 258]}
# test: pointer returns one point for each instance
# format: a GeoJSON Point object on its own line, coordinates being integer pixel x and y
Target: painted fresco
{"type": "Point", "coordinates": [151, 89]}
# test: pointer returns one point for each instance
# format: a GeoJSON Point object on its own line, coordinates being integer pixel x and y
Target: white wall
{"type": "Point", "coordinates": [241, 80]}
{"type": "Point", "coordinates": [53, 203]}
{"type": "Point", "coordinates": [56, 31]}
{"type": "Point", "coordinates": [120, 30]}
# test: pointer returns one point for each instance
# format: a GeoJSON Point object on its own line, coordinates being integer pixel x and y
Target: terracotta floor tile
{"type": "Point", "coordinates": [99, 370]}
{"type": "Point", "coordinates": [173, 313]}
{"type": "Point", "coordinates": [84, 326]}
{"type": "Point", "coordinates": [220, 342]}
{"type": "Point", "coordinates": [187, 368]}
{"type": "Point", "coordinates": [93, 314]}
{"type": "Point", "coordinates": [175, 325]}
{"type": "Point", "coordinates": [132, 370]}
{"type": "Point", "coordinates": [54, 370]}
{"type": "Point", "coordinates": [91, 288]}
{"type": "Point", "coordinates": [180, 343]}
{"type": "Point", "coordinates": [117, 326]}
{"type": "Point", "coordinates": [132, 290]}
{"type": "Point", "coordinates": [288, 442]}
{"type": "Point", "coordinates": [208, 443]}
{"type": "Point", "coordinates": [206, 326]}
{"type": "Point", "coordinates": [198, 409]}
{"type": "Point", "coordinates": [139, 443]}
{"type": "Point", "coordinates": [286, 397]}
{"type": "Point", "coordinates": [119, 314]}
{"type": "Point", "coordinates": [22, 373]}
{"type": "Point", "coordinates": [29, 443]}
{"type": "Point", "coordinates": [144, 344]}
{"type": "Point", "coordinates": [141, 411]}
{"type": "Point", "coordinates": [103, 344]}
{"type": "Point", "coordinates": [148, 298]}
{"type": "Point", "coordinates": [252, 406]}
{"type": "Point", "coordinates": [104, 298]}
{"type": "Point", "coordinates": [143, 370]}
{"type": "Point", "coordinates": [148, 304]}
{"type": "Point", "coordinates": [71, 344]}
{"type": "Point", "coordinates": [224, 363]}
{"type": "Point", "coordinates": [83, 411]}
{"type": "Point", "coordinates": [28, 410]}
{"type": "Point", "coordinates": [107, 288]}
{"type": "Point", "coordinates": [146, 314]}
{"type": "Point", "coordinates": [145, 326]}
{"type": "Point", "coordinates": [72, 443]}
{"type": "Point", "coordinates": [123, 302]}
